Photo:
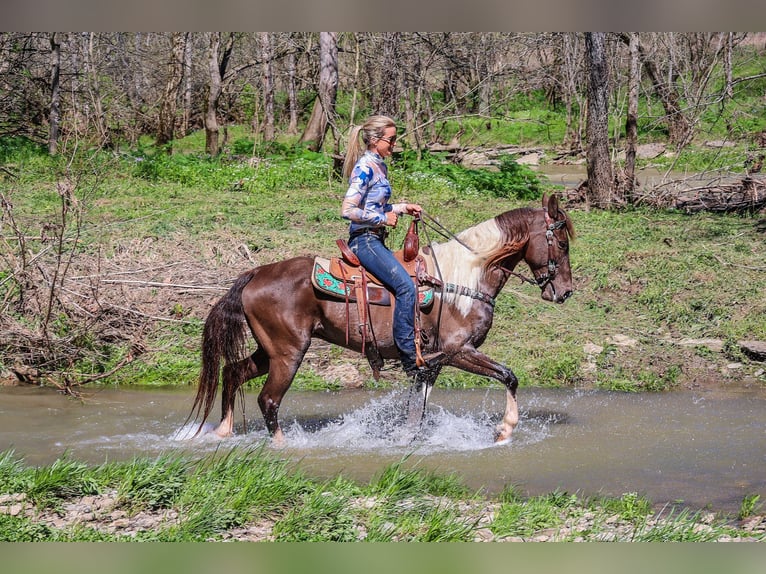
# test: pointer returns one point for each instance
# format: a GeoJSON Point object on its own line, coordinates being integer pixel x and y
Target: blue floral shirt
{"type": "Point", "coordinates": [366, 200]}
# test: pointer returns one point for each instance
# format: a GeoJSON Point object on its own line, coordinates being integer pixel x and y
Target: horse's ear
{"type": "Point", "coordinates": [552, 206]}
{"type": "Point", "coordinates": [545, 200]}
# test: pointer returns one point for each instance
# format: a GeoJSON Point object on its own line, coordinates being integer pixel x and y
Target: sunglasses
{"type": "Point", "coordinates": [391, 140]}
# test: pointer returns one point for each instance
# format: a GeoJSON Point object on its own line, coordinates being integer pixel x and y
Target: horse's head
{"type": "Point", "coordinates": [547, 252]}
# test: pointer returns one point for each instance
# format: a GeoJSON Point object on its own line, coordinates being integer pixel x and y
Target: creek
{"type": "Point", "coordinates": [699, 447]}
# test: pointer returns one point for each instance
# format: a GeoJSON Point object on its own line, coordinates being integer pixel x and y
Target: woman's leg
{"type": "Point", "coordinates": [378, 260]}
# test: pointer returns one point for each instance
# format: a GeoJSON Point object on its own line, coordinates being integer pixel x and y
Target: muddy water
{"type": "Point", "coordinates": [696, 447]}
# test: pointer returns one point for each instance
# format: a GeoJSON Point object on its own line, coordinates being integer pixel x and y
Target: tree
{"type": "Point", "coordinates": [600, 183]}
{"type": "Point", "coordinates": [55, 110]}
{"type": "Point", "coordinates": [167, 119]}
{"type": "Point", "coordinates": [217, 65]}
{"type": "Point", "coordinates": [323, 113]}
{"type": "Point", "coordinates": [631, 123]}
{"type": "Point", "coordinates": [267, 56]}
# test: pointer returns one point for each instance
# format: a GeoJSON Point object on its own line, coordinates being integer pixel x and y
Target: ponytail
{"type": "Point", "coordinates": [354, 151]}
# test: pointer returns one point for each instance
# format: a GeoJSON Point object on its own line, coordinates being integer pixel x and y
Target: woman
{"type": "Point", "coordinates": [367, 206]}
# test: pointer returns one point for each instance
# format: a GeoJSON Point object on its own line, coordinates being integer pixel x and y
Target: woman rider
{"type": "Point", "coordinates": [367, 206]}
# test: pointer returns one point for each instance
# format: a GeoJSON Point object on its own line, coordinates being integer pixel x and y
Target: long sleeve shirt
{"type": "Point", "coordinates": [368, 194]}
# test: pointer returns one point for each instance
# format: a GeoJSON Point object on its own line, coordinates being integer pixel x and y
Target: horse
{"type": "Point", "coordinates": [284, 311]}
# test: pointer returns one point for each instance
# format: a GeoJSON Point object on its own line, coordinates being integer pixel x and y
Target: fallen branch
{"type": "Point", "coordinates": [160, 284]}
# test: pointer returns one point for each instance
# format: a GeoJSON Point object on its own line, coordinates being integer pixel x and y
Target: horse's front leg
{"type": "Point", "coordinates": [417, 399]}
{"type": "Point", "coordinates": [478, 363]}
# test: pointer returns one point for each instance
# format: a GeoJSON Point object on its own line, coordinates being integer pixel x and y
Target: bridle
{"type": "Point", "coordinates": [543, 280]}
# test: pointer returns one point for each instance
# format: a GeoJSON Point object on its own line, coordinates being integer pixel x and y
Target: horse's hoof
{"type": "Point", "coordinates": [278, 440]}
{"type": "Point", "coordinates": [501, 440]}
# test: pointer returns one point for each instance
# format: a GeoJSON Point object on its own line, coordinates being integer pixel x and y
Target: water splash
{"type": "Point", "coordinates": [378, 426]}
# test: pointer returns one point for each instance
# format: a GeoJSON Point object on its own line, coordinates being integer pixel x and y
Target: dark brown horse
{"type": "Point", "coordinates": [284, 311]}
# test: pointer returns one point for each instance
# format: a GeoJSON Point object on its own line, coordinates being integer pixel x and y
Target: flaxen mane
{"type": "Point", "coordinates": [491, 242]}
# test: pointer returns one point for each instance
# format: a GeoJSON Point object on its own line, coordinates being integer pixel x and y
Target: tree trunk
{"type": "Point", "coordinates": [169, 103]}
{"type": "Point", "coordinates": [187, 95]}
{"type": "Point", "coordinates": [729, 92]}
{"type": "Point", "coordinates": [292, 95]}
{"type": "Point", "coordinates": [213, 93]}
{"type": "Point", "coordinates": [267, 55]}
{"type": "Point", "coordinates": [55, 109]}
{"type": "Point", "coordinates": [323, 114]}
{"type": "Point", "coordinates": [600, 183]}
{"type": "Point", "coordinates": [216, 65]}
{"type": "Point", "coordinates": [355, 91]}
{"type": "Point", "coordinates": [388, 100]}
{"type": "Point", "coordinates": [94, 90]}
{"type": "Point", "coordinates": [631, 123]}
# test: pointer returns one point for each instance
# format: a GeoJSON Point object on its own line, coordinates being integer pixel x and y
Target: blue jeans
{"type": "Point", "coordinates": [378, 260]}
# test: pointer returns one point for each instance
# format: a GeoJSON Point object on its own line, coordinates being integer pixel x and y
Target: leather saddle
{"type": "Point", "coordinates": [339, 277]}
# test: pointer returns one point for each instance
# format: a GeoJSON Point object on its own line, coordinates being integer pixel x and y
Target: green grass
{"type": "Point", "coordinates": [242, 488]}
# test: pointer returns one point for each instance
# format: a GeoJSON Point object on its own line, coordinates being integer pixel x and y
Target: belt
{"type": "Point", "coordinates": [381, 232]}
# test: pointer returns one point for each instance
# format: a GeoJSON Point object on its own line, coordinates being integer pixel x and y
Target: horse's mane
{"type": "Point", "coordinates": [490, 241]}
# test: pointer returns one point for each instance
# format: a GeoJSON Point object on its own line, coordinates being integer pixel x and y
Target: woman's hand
{"type": "Point", "coordinates": [413, 209]}
{"type": "Point", "coordinates": [391, 219]}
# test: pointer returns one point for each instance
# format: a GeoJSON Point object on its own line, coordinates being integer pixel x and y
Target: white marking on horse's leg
{"type": "Point", "coordinates": [510, 418]}
{"type": "Point", "coordinates": [226, 428]}
{"type": "Point", "coordinates": [278, 439]}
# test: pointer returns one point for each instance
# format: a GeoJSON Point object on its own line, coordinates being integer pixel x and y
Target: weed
{"type": "Point", "coordinates": [750, 503]}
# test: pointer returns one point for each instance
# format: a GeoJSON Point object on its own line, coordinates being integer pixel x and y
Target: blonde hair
{"type": "Point", "coordinates": [372, 129]}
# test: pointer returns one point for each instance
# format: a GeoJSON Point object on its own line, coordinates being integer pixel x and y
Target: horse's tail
{"type": "Point", "coordinates": [222, 337]}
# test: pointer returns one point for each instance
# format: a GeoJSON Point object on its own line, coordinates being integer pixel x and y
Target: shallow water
{"type": "Point", "coordinates": [697, 447]}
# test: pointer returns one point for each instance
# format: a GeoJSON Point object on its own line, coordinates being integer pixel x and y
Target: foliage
{"type": "Point", "coordinates": [511, 181]}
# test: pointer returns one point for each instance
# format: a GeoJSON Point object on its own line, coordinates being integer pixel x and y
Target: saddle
{"type": "Point", "coordinates": [346, 279]}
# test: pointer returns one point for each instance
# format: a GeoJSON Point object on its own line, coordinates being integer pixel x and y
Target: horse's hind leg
{"type": "Point", "coordinates": [234, 376]}
{"type": "Point", "coordinates": [281, 374]}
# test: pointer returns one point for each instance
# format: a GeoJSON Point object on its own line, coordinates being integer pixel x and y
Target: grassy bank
{"type": "Point", "coordinates": [253, 495]}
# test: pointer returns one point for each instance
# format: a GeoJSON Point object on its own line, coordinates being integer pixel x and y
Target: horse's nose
{"type": "Point", "coordinates": [566, 295]}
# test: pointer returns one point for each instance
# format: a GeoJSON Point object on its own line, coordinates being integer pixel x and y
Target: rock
{"type": "Point", "coordinates": [623, 341]}
{"type": "Point", "coordinates": [529, 159]}
{"type": "Point", "coordinates": [717, 144]}
{"type": "Point", "coordinates": [592, 349]}
{"type": "Point", "coordinates": [649, 151]}
{"type": "Point", "coordinates": [755, 350]}
{"type": "Point", "coordinates": [715, 345]}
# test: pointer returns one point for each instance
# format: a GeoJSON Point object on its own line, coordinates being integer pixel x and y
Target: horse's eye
{"type": "Point", "coordinates": [564, 246]}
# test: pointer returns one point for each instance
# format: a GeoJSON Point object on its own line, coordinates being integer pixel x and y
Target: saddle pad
{"type": "Point", "coordinates": [336, 287]}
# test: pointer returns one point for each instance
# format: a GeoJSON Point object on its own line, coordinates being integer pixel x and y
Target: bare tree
{"type": "Point", "coordinates": [292, 96]}
{"type": "Point", "coordinates": [679, 128]}
{"type": "Point", "coordinates": [267, 73]}
{"type": "Point", "coordinates": [323, 114]}
{"type": "Point", "coordinates": [600, 182]}
{"type": "Point", "coordinates": [169, 104]}
{"type": "Point", "coordinates": [187, 91]}
{"type": "Point", "coordinates": [631, 123]}
{"type": "Point", "coordinates": [55, 109]}
{"type": "Point", "coordinates": [217, 64]}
